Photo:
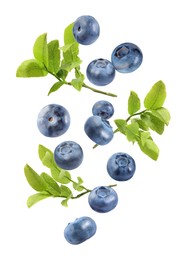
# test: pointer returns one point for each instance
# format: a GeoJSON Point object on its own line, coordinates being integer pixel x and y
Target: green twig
{"type": "Point", "coordinates": [84, 85]}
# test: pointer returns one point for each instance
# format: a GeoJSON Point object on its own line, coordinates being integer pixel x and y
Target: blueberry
{"type": "Point", "coordinates": [86, 29]}
{"type": "Point", "coordinates": [68, 155]}
{"type": "Point", "coordinates": [121, 166]}
{"type": "Point", "coordinates": [126, 57]}
{"type": "Point", "coordinates": [98, 130]}
{"type": "Point", "coordinates": [103, 108]}
{"type": "Point", "coordinates": [53, 120]}
{"type": "Point", "coordinates": [80, 230]}
{"type": "Point", "coordinates": [103, 199]}
{"type": "Point", "coordinates": [100, 72]}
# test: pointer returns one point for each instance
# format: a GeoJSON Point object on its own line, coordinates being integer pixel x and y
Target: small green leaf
{"type": "Point", "coordinates": [46, 156]}
{"type": "Point", "coordinates": [31, 68]}
{"type": "Point", "coordinates": [78, 83]}
{"type": "Point", "coordinates": [141, 123]}
{"type": "Point", "coordinates": [53, 56]}
{"type": "Point", "coordinates": [133, 103]}
{"type": "Point", "coordinates": [33, 199]}
{"type": "Point", "coordinates": [65, 191]}
{"type": "Point", "coordinates": [70, 63]}
{"type": "Point", "coordinates": [40, 49]}
{"type": "Point", "coordinates": [156, 96]}
{"type": "Point", "coordinates": [153, 122]}
{"type": "Point", "coordinates": [34, 179]}
{"type": "Point", "coordinates": [150, 149]}
{"type": "Point", "coordinates": [62, 74]}
{"type": "Point", "coordinates": [60, 175]}
{"type": "Point", "coordinates": [65, 202]}
{"type": "Point", "coordinates": [68, 34]}
{"type": "Point", "coordinates": [42, 151]}
{"type": "Point", "coordinates": [52, 186]}
{"type": "Point", "coordinates": [70, 50]}
{"type": "Point", "coordinates": [55, 87]}
{"type": "Point", "coordinates": [144, 136]}
{"type": "Point", "coordinates": [77, 185]}
{"type": "Point", "coordinates": [163, 114]}
{"type": "Point", "coordinates": [121, 125]}
{"type": "Point", "coordinates": [132, 132]}
{"type": "Point", "coordinates": [67, 47]}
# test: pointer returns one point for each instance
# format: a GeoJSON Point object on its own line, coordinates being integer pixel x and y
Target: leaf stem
{"type": "Point", "coordinates": [84, 85]}
{"type": "Point", "coordinates": [99, 91]}
{"type": "Point", "coordinates": [136, 114]}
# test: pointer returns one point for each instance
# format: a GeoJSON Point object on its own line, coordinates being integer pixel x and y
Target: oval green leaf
{"type": "Point", "coordinates": [34, 179]}
{"type": "Point", "coordinates": [156, 96]}
{"type": "Point", "coordinates": [31, 68]}
{"type": "Point", "coordinates": [133, 103]}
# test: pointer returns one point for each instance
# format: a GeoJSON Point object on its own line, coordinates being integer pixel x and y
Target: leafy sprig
{"type": "Point", "coordinates": [54, 185]}
{"type": "Point", "coordinates": [50, 58]}
{"type": "Point", "coordinates": [138, 125]}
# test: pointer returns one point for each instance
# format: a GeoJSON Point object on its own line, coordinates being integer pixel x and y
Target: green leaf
{"type": "Point", "coordinates": [42, 151]}
{"type": "Point", "coordinates": [34, 179]}
{"type": "Point", "coordinates": [121, 125]}
{"type": "Point", "coordinates": [153, 122]}
{"type": "Point", "coordinates": [65, 202]}
{"type": "Point", "coordinates": [55, 87]}
{"type": "Point", "coordinates": [144, 136]}
{"type": "Point", "coordinates": [46, 156]}
{"type": "Point", "coordinates": [70, 62]}
{"type": "Point", "coordinates": [33, 199]}
{"type": "Point", "coordinates": [156, 96]}
{"type": "Point", "coordinates": [53, 56]}
{"type": "Point", "coordinates": [40, 49]}
{"type": "Point", "coordinates": [70, 50]}
{"type": "Point", "coordinates": [52, 186]}
{"type": "Point", "coordinates": [31, 68]}
{"type": "Point", "coordinates": [149, 148]}
{"type": "Point", "coordinates": [133, 103]}
{"type": "Point", "coordinates": [62, 74]}
{"type": "Point", "coordinates": [77, 185]}
{"type": "Point", "coordinates": [132, 132]}
{"type": "Point", "coordinates": [65, 191]}
{"type": "Point", "coordinates": [61, 175]}
{"type": "Point", "coordinates": [78, 83]}
{"type": "Point", "coordinates": [67, 47]}
{"type": "Point", "coordinates": [141, 123]}
{"type": "Point", "coordinates": [68, 34]}
{"type": "Point", "coordinates": [163, 114]}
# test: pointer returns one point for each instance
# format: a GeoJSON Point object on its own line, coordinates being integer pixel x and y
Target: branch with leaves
{"type": "Point", "coordinates": [54, 185]}
{"type": "Point", "coordinates": [50, 58]}
{"type": "Point", "coordinates": [136, 127]}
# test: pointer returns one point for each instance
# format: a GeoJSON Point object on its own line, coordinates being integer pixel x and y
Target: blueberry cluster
{"type": "Point", "coordinates": [97, 126]}
{"type": "Point", "coordinates": [125, 58]}
{"type": "Point", "coordinates": [54, 120]}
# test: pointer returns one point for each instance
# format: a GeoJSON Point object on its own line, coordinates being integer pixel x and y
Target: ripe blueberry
{"type": "Point", "coordinates": [86, 29]}
{"type": "Point", "coordinates": [100, 72]}
{"type": "Point", "coordinates": [53, 120]}
{"type": "Point", "coordinates": [103, 199]}
{"type": "Point", "coordinates": [68, 155]}
{"type": "Point", "coordinates": [98, 130]}
{"type": "Point", "coordinates": [103, 108]}
{"type": "Point", "coordinates": [80, 230]}
{"type": "Point", "coordinates": [121, 166]}
{"type": "Point", "coordinates": [126, 57]}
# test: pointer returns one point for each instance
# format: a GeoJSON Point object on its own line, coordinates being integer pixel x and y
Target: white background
{"type": "Point", "coordinates": [151, 219]}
